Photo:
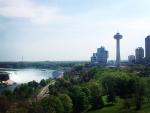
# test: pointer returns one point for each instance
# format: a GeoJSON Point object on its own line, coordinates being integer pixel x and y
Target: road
{"type": "Point", "coordinates": [44, 91]}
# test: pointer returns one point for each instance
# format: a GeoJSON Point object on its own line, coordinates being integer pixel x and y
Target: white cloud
{"type": "Point", "coordinates": [29, 10]}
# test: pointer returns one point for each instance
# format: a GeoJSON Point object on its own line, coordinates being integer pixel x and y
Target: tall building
{"type": "Point", "coordinates": [131, 59]}
{"type": "Point", "coordinates": [100, 57]}
{"type": "Point", "coordinates": [147, 49]}
{"type": "Point", "coordinates": [139, 55]}
{"type": "Point", "coordinates": [94, 58]}
{"type": "Point", "coordinates": [118, 36]}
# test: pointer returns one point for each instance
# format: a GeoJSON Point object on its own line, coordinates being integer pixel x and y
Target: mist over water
{"type": "Point", "coordinates": [27, 75]}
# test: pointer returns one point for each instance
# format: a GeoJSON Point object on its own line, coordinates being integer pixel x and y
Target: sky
{"type": "Point", "coordinates": [66, 30]}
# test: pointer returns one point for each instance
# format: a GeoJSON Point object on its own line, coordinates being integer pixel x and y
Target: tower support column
{"type": "Point", "coordinates": [117, 37]}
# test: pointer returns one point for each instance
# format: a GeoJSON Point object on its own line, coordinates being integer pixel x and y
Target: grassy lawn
{"type": "Point", "coordinates": [112, 109]}
{"type": "Point", "coordinates": [108, 109]}
{"type": "Point", "coordinates": [117, 108]}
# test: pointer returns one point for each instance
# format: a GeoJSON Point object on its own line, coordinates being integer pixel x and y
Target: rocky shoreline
{"type": "Point", "coordinates": [58, 74]}
{"type": "Point", "coordinates": [9, 82]}
{"type": "Point", "coordinates": [5, 79]}
{"type": "Point", "coordinates": [55, 74]}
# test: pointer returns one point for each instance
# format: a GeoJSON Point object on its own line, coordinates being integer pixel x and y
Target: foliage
{"type": "Point", "coordinates": [52, 104]}
{"type": "Point", "coordinates": [33, 84]}
{"type": "Point", "coordinates": [4, 104]}
{"type": "Point", "coordinates": [80, 100]}
{"type": "Point", "coordinates": [43, 83]}
{"type": "Point", "coordinates": [52, 90]}
{"type": "Point", "coordinates": [82, 89]}
{"type": "Point", "coordinates": [67, 103]}
{"type": "Point", "coordinates": [109, 84]}
{"type": "Point", "coordinates": [36, 108]}
{"type": "Point", "coordinates": [23, 92]}
{"type": "Point", "coordinates": [139, 93]}
{"type": "Point", "coordinates": [96, 95]}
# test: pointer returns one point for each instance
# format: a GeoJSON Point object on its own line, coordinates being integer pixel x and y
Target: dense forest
{"type": "Point", "coordinates": [83, 90]}
{"type": "Point", "coordinates": [41, 65]}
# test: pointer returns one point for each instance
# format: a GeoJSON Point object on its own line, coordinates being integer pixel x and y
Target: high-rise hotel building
{"type": "Point", "coordinates": [100, 57]}
{"type": "Point", "coordinates": [147, 49]}
{"type": "Point", "coordinates": [139, 55]}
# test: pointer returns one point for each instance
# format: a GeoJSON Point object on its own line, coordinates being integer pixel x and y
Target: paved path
{"type": "Point", "coordinates": [45, 91]}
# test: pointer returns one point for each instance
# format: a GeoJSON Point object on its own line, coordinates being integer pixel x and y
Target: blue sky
{"type": "Point", "coordinates": [70, 29]}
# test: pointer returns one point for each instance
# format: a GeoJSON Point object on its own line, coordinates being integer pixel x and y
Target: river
{"type": "Point", "coordinates": [19, 76]}
{"type": "Point", "coordinates": [27, 75]}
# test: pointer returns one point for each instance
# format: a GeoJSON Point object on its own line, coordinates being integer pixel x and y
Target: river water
{"type": "Point", "coordinates": [27, 75]}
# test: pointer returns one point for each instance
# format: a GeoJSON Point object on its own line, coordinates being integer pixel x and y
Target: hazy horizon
{"type": "Point", "coordinates": [70, 30]}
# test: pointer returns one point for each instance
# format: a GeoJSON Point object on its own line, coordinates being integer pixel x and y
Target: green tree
{"type": "Point", "coordinates": [33, 84]}
{"type": "Point", "coordinates": [147, 90]}
{"type": "Point", "coordinates": [53, 90]}
{"type": "Point", "coordinates": [87, 92]}
{"type": "Point", "coordinates": [52, 104]}
{"type": "Point", "coordinates": [36, 108]}
{"type": "Point", "coordinates": [67, 103]}
{"type": "Point", "coordinates": [139, 94]}
{"type": "Point", "coordinates": [62, 84]}
{"type": "Point", "coordinates": [43, 83]}
{"type": "Point", "coordinates": [4, 104]}
{"type": "Point", "coordinates": [89, 74]}
{"type": "Point", "coordinates": [23, 92]}
{"type": "Point", "coordinates": [125, 84]}
{"type": "Point", "coordinates": [96, 95]}
{"type": "Point", "coordinates": [109, 85]}
{"type": "Point", "coordinates": [80, 100]}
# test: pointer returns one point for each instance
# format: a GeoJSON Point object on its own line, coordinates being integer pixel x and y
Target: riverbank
{"type": "Point", "coordinates": [58, 74]}
{"type": "Point", "coordinates": [9, 82]}
{"type": "Point", "coordinates": [26, 75]}
{"type": "Point", "coordinates": [20, 76]}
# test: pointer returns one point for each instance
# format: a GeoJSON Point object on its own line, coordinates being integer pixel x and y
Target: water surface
{"type": "Point", "coordinates": [26, 75]}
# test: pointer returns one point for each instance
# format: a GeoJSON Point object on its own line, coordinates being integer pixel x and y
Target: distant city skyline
{"type": "Point", "coordinates": [69, 30]}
